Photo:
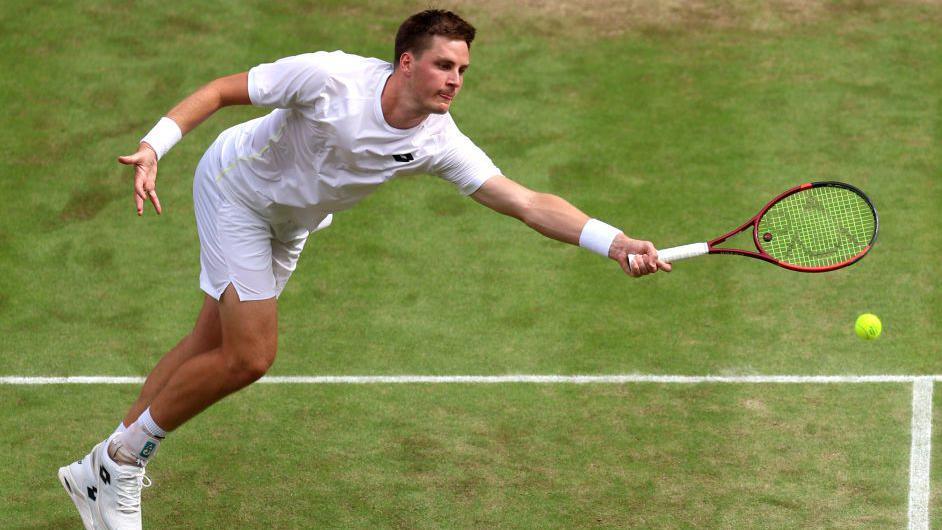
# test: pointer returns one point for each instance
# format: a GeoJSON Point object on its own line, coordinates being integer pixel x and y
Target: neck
{"type": "Point", "coordinates": [399, 110]}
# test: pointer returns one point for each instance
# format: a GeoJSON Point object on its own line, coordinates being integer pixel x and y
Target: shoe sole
{"type": "Point", "coordinates": [70, 485]}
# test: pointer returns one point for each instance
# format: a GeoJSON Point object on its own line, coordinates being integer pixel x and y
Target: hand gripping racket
{"type": "Point", "coordinates": [814, 227]}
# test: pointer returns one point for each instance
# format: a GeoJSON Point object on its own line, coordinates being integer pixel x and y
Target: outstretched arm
{"type": "Point", "coordinates": [555, 218]}
{"type": "Point", "coordinates": [184, 117]}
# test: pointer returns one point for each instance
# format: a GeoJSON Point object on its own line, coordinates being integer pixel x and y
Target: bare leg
{"type": "Point", "coordinates": [206, 335]}
{"type": "Point", "coordinates": [249, 344]}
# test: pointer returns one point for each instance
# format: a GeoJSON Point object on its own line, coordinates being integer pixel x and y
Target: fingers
{"type": "Point", "coordinates": [155, 201]}
{"type": "Point", "coordinates": [645, 262]}
{"type": "Point", "coordinates": [639, 265]}
{"type": "Point", "coordinates": [146, 194]}
{"type": "Point", "coordinates": [139, 194]}
{"type": "Point", "coordinates": [652, 261]}
{"type": "Point", "coordinates": [648, 263]}
{"type": "Point", "coordinates": [145, 178]}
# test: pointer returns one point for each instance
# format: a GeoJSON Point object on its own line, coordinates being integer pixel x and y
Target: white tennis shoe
{"type": "Point", "coordinates": [106, 493]}
{"type": "Point", "coordinates": [81, 484]}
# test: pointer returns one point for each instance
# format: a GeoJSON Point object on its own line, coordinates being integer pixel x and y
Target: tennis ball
{"type": "Point", "coordinates": [868, 326]}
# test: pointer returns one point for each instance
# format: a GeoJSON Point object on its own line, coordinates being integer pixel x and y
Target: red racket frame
{"type": "Point", "coordinates": [761, 254]}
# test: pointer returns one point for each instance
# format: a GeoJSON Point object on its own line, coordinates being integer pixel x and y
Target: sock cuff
{"type": "Point", "coordinates": [147, 421]}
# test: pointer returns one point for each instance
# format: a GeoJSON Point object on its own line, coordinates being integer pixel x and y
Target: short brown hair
{"type": "Point", "coordinates": [415, 34]}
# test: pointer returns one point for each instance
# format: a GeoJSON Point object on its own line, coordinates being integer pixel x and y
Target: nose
{"type": "Point", "coordinates": [454, 79]}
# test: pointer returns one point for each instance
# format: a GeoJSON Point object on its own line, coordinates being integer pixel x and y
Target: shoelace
{"type": "Point", "coordinates": [128, 485]}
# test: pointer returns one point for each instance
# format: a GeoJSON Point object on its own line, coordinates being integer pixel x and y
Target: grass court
{"type": "Point", "coordinates": [675, 121]}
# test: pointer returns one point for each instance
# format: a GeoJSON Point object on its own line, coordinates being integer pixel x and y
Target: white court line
{"type": "Point", "coordinates": [498, 379]}
{"type": "Point", "coordinates": [590, 379]}
{"type": "Point", "coordinates": [72, 380]}
{"type": "Point", "coordinates": [919, 454]}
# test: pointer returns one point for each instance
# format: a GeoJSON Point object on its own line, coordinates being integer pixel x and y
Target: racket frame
{"type": "Point", "coordinates": [761, 254]}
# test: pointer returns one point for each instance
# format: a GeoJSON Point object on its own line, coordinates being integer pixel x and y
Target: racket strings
{"type": "Point", "coordinates": [817, 227]}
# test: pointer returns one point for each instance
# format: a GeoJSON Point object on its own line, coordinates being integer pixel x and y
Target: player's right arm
{"type": "Point", "coordinates": [557, 219]}
{"type": "Point", "coordinates": [186, 115]}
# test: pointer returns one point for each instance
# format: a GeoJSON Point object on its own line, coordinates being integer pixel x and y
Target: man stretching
{"type": "Point", "coordinates": [342, 125]}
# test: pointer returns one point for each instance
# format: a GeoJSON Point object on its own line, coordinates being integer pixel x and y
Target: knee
{"type": "Point", "coordinates": [251, 364]}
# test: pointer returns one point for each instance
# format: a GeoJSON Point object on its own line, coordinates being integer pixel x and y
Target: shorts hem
{"type": "Point", "coordinates": [216, 293]}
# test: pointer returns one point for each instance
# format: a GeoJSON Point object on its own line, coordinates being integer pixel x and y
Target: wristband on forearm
{"type": "Point", "coordinates": [163, 136]}
{"type": "Point", "coordinates": [598, 236]}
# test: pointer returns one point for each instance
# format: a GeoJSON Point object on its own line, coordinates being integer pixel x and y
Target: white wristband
{"type": "Point", "coordinates": [163, 136]}
{"type": "Point", "coordinates": [598, 236]}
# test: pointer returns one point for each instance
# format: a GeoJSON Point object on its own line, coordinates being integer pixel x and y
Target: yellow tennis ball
{"type": "Point", "coordinates": [868, 326]}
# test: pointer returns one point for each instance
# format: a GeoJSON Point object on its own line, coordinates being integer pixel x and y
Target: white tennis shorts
{"type": "Point", "coordinates": [239, 243]}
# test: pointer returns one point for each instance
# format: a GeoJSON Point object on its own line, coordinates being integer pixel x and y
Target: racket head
{"type": "Point", "coordinates": [817, 227]}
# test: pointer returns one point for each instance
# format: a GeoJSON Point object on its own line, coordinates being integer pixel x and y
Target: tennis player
{"type": "Point", "coordinates": [341, 126]}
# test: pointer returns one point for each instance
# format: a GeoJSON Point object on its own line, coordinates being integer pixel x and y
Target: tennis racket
{"type": "Point", "coordinates": [814, 227]}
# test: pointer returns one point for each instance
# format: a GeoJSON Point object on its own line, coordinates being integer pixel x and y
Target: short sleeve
{"type": "Point", "coordinates": [291, 82]}
{"type": "Point", "coordinates": [464, 164]}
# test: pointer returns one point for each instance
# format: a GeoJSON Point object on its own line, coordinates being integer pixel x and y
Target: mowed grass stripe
{"type": "Point", "coordinates": [458, 456]}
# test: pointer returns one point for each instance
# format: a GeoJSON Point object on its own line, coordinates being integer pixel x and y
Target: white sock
{"type": "Point", "coordinates": [137, 444]}
{"type": "Point", "coordinates": [121, 428]}
{"type": "Point", "coordinates": [148, 421]}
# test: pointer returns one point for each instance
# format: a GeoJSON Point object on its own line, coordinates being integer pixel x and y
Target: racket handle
{"type": "Point", "coordinates": [670, 255]}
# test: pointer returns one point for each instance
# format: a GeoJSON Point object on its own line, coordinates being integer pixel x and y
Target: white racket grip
{"type": "Point", "coordinates": [670, 255]}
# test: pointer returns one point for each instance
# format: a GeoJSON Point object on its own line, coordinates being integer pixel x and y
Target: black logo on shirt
{"type": "Point", "coordinates": [407, 157]}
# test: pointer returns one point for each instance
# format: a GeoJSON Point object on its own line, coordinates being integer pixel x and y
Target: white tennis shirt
{"type": "Point", "coordinates": [326, 145]}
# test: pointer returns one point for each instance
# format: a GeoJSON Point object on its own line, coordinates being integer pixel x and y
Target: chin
{"type": "Point", "coordinates": [439, 106]}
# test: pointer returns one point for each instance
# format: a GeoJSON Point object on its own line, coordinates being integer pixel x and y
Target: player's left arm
{"type": "Point", "coordinates": [556, 218]}
{"type": "Point", "coordinates": [182, 118]}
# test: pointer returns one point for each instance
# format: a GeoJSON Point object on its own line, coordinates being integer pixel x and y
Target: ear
{"type": "Point", "coordinates": [406, 62]}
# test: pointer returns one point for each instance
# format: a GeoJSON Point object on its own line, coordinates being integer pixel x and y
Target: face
{"type": "Point", "coordinates": [436, 75]}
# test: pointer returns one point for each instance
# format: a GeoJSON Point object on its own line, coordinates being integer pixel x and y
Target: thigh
{"type": "Point", "coordinates": [249, 328]}
{"type": "Point", "coordinates": [207, 332]}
